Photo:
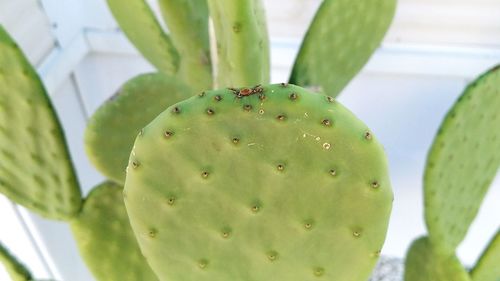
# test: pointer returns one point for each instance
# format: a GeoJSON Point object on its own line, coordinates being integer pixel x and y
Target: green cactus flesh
{"type": "Point", "coordinates": [138, 22]}
{"type": "Point", "coordinates": [188, 25]}
{"type": "Point", "coordinates": [340, 40]}
{"type": "Point", "coordinates": [424, 262]}
{"type": "Point", "coordinates": [36, 170]}
{"type": "Point", "coordinates": [488, 266]}
{"type": "Point", "coordinates": [111, 131]}
{"type": "Point", "coordinates": [242, 42]}
{"type": "Point", "coordinates": [263, 183]}
{"type": "Point", "coordinates": [105, 239]}
{"type": "Point", "coordinates": [463, 161]}
{"type": "Point", "coordinates": [15, 269]}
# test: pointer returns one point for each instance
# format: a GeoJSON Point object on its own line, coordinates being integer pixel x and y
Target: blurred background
{"type": "Point", "coordinates": [433, 49]}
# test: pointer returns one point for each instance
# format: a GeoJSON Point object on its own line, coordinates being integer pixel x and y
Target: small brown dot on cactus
{"type": "Point", "coordinates": [141, 132]}
{"type": "Point", "coordinates": [280, 167]}
{"type": "Point", "coordinates": [330, 99]}
{"type": "Point", "coordinates": [176, 110]}
{"type": "Point", "coordinates": [375, 184]}
{"type": "Point", "coordinates": [225, 234]}
{"type": "Point", "coordinates": [152, 233]}
{"type": "Point", "coordinates": [210, 111]}
{"type": "Point", "coordinates": [293, 96]}
{"type": "Point", "coordinates": [202, 94]}
{"type": "Point", "coordinates": [333, 172]}
{"type": "Point", "coordinates": [326, 122]}
{"type": "Point", "coordinates": [255, 208]}
{"type": "Point", "coordinates": [284, 84]}
{"type": "Point", "coordinates": [171, 201]}
{"type": "Point", "coordinates": [272, 255]}
{"type": "Point", "coordinates": [247, 107]}
{"type": "Point", "coordinates": [203, 263]}
{"type": "Point", "coordinates": [237, 27]}
{"type": "Point", "coordinates": [368, 135]}
{"type": "Point", "coordinates": [356, 233]}
{"type": "Point", "coordinates": [262, 96]}
{"type": "Point", "coordinates": [319, 271]}
{"type": "Point", "coordinates": [135, 164]}
{"type": "Point", "coordinates": [236, 140]}
{"type": "Point", "coordinates": [168, 134]}
{"type": "Point", "coordinates": [308, 225]}
{"type": "Point", "coordinates": [218, 98]}
{"type": "Point", "coordinates": [281, 117]}
{"type": "Point", "coordinates": [205, 174]}
{"type": "Point", "coordinates": [261, 111]}
{"type": "Point", "coordinates": [327, 146]}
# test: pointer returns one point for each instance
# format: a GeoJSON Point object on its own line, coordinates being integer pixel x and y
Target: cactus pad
{"type": "Point", "coordinates": [112, 129]}
{"type": "Point", "coordinates": [138, 22]}
{"type": "Point", "coordinates": [188, 25]}
{"type": "Point", "coordinates": [488, 266]}
{"type": "Point", "coordinates": [263, 183]}
{"type": "Point", "coordinates": [242, 42]}
{"type": "Point", "coordinates": [340, 40]}
{"type": "Point", "coordinates": [36, 170]}
{"type": "Point", "coordinates": [105, 239]}
{"type": "Point", "coordinates": [15, 269]}
{"type": "Point", "coordinates": [463, 161]}
{"type": "Point", "coordinates": [424, 262]}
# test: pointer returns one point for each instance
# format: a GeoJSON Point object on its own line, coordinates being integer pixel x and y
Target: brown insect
{"type": "Point", "coordinates": [245, 92]}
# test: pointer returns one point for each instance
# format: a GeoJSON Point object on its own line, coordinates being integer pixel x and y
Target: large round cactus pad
{"type": "Point", "coordinates": [111, 131]}
{"type": "Point", "coordinates": [463, 161]}
{"type": "Point", "coordinates": [105, 239]}
{"type": "Point", "coordinates": [35, 167]}
{"type": "Point", "coordinates": [263, 183]}
{"type": "Point", "coordinates": [425, 262]}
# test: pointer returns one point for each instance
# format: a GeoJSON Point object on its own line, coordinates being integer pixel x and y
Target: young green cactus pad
{"type": "Point", "coordinates": [488, 266]}
{"type": "Point", "coordinates": [111, 131]}
{"type": "Point", "coordinates": [15, 269]}
{"type": "Point", "coordinates": [462, 162]}
{"type": "Point", "coordinates": [262, 183]}
{"type": "Point", "coordinates": [105, 239]}
{"type": "Point", "coordinates": [425, 262]}
{"type": "Point", "coordinates": [188, 25]}
{"type": "Point", "coordinates": [340, 40]}
{"type": "Point", "coordinates": [36, 170]}
{"type": "Point", "coordinates": [242, 42]}
{"type": "Point", "coordinates": [138, 22]}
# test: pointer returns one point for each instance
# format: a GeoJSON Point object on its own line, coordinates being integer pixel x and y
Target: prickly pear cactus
{"type": "Point", "coordinates": [242, 42]}
{"type": "Point", "coordinates": [487, 267]}
{"type": "Point", "coordinates": [112, 129]}
{"type": "Point", "coordinates": [247, 184]}
{"type": "Point", "coordinates": [16, 270]}
{"type": "Point", "coordinates": [426, 262]}
{"type": "Point", "coordinates": [36, 169]}
{"type": "Point", "coordinates": [342, 37]}
{"type": "Point", "coordinates": [105, 239]}
{"type": "Point", "coordinates": [463, 161]}
{"type": "Point", "coordinates": [138, 22]}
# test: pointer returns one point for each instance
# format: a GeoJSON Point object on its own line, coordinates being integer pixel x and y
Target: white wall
{"type": "Point", "coordinates": [432, 50]}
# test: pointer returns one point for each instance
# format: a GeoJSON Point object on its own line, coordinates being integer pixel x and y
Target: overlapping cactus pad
{"type": "Point", "coordinates": [16, 269]}
{"type": "Point", "coordinates": [35, 168]}
{"type": "Point", "coordinates": [488, 266]}
{"type": "Point", "coordinates": [105, 239]}
{"type": "Point", "coordinates": [463, 161]}
{"type": "Point", "coordinates": [111, 131]}
{"type": "Point", "coordinates": [425, 262]}
{"type": "Point", "coordinates": [262, 183]}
